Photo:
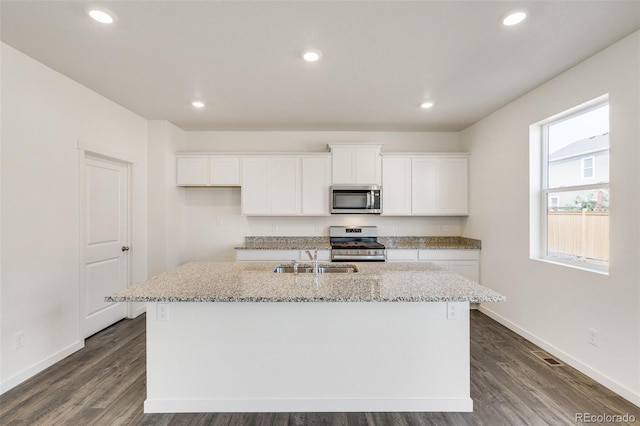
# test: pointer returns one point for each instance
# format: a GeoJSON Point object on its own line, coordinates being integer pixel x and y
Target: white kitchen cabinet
{"type": "Point", "coordinates": [396, 186]}
{"type": "Point", "coordinates": [268, 255]}
{"type": "Point", "coordinates": [439, 186]}
{"type": "Point", "coordinates": [316, 181]}
{"type": "Point", "coordinates": [271, 186]}
{"type": "Point", "coordinates": [356, 164]}
{"type": "Point", "coordinates": [224, 171]}
{"type": "Point", "coordinates": [464, 262]}
{"type": "Point", "coordinates": [207, 170]}
{"type": "Point", "coordinates": [425, 184]}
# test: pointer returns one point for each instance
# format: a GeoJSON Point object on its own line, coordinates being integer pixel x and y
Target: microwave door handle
{"type": "Point", "coordinates": [368, 200]}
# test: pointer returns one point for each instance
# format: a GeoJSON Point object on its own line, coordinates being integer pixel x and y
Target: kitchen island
{"type": "Point", "coordinates": [236, 337]}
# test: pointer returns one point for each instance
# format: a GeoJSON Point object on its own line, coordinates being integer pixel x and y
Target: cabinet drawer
{"type": "Point", "coordinates": [449, 254]}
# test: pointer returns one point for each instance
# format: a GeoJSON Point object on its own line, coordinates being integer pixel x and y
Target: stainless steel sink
{"type": "Point", "coordinates": [322, 269]}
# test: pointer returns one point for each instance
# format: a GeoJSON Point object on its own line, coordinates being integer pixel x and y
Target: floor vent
{"type": "Point", "coordinates": [548, 359]}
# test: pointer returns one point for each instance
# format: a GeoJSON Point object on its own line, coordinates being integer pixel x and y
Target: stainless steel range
{"type": "Point", "coordinates": [355, 244]}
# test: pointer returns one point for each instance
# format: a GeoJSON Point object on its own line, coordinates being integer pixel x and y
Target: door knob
{"type": "Point", "coordinates": [125, 248]}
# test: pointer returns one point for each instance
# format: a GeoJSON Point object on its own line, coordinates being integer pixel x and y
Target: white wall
{"type": "Point", "coordinates": [213, 223]}
{"type": "Point", "coordinates": [550, 304]}
{"type": "Point", "coordinates": [45, 117]}
{"type": "Point", "coordinates": [166, 200]}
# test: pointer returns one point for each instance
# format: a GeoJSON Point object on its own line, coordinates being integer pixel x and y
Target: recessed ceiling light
{"type": "Point", "coordinates": [426, 105]}
{"type": "Point", "coordinates": [103, 16]}
{"type": "Point", "coordinates": [513, 18]}
{"type": "Point", "coordinates": [311, 55]}
{"type": "Point", "coordinates": [198, 104]}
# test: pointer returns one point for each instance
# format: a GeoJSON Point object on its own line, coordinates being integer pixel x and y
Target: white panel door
{"type": "Point", "coordinates": [106, 223]}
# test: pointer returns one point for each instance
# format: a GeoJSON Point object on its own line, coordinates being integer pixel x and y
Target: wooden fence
{"type": "Point", "coordinates": [583, 234]}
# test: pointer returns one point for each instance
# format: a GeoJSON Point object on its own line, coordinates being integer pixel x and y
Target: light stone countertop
{"type": "Point", "coordinates": [256, 282]}
{"type": "Point", "coordinates": [390, 242]}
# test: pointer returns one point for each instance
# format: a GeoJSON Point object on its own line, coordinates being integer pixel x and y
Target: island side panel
{"type": "Point", "coordinates": [269, 357]}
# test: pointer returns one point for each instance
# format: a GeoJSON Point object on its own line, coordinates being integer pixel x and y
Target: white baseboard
{"type": "Point", "coordinates": [136, 309]}
{"type": "Point", "coordinates": [604, 380]}
{"type": "Point", "coordinates": [26, 374]}
{"type": "Point", "coordinates": [306, 405]}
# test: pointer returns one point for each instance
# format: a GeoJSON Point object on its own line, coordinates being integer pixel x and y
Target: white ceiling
{"type": "Point", "coordinates": [381, 58]}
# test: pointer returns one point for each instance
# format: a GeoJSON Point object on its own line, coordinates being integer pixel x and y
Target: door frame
{"type": "Point", "coordinates": [82, 234]}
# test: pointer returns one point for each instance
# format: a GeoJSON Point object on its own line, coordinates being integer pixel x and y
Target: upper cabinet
{"type": "Point", "coordinates": [356, 164]}
{"type": "Point", "coordinates": [425, 184]}
{"type": "Point", "coordinates": [207, 170]}
{"type": "Point", "coordinates": [271, 186]}
{"type": "Point", "coordinates": [287, 185]}
{"type": "Point", "coordinates": [316, 181]}
{"type": "Point", "coordinates": [293, 184]}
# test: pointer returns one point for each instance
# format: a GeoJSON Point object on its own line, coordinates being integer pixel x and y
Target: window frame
{"type": "Point", "coordinates": [592, 168]}
{"type": "Point", "coordinates": [541, 193]}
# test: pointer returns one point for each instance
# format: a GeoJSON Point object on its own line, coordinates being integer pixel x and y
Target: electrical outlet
{"type": "Point", "coordinates": [218, 222]}
{"type": "Point", "coordinates": [274, 228]}
{"type": "Point", "coordinates": [446, 228]}
{"type": "Point", "coordinates": [397, 228]}
{"type": "Point", "coordinates": [162, 312]}
{"type": "Point", "coordinates": [317, 228]}
{"type": "Point", "coordinates": [18, 340]}
{"type": "Point", "coordinates": [452, 310]}
{"type": "Point", "coordinates": [593, 337]}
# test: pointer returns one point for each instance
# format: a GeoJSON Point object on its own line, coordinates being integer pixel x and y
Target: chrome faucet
{"type": "Point", "coordinates": [294, 263]}
{"type": "Point", "coordinates": [314, 259]}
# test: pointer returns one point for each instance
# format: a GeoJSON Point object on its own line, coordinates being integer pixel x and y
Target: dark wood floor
{"type": "Point", "coordinates": [104, 384]}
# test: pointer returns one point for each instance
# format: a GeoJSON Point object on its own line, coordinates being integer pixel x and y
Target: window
{"type": "Point", "coordinates": [587, 168]}
{"type": "Point", "coordinates": [570, 223]}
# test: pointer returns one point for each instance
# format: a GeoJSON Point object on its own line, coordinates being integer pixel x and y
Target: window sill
{"type": "Point", "coordinates": [601, 270]}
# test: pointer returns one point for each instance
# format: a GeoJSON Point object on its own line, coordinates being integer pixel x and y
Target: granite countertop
{"type": "Point", "coordinates": [285, 243]}
{"type": "Point", "coordinates": [256, 282]}
{"type": "Point", "coordinates": [432, 243]}
{"type": "Point", "coordinates": [391, 242]}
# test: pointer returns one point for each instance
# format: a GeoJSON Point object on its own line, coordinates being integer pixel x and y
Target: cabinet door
{"type": "Point", "coordinates": [192, 171]}
{"type": "Point", "coordinates": [224, 171]}
{"type": "Point", "coordinates": [342, 165]}
{"type": "Point", "coordinates": [284, 186]}
{"type": "Point", "coordinates": [402, 255]}
{"type": "Point", "coordinates": [316, 180]}
{"type": "Point", "coordinates": [453, 180]}
{"type": "Point", "coordinates": [425, 183]}
{"type": "Point", "coordinates": [367, 166]}
{"type": "Point", "coordinates": [396, 186]}
{"type": "Point", "coordinates": [255, 186]}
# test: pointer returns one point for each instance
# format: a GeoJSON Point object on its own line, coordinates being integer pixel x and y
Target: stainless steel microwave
{"type": "Point", "coordinates": [356, 199]}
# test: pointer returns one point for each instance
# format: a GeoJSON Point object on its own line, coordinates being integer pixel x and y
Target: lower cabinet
{"type": "Point", "coordinates": [262, 255]}
{"type": "Point", "coordinates": [463, 262]}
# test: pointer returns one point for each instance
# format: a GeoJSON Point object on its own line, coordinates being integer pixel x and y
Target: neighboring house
{"type": "Point", "coordinates": [584, 162]}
